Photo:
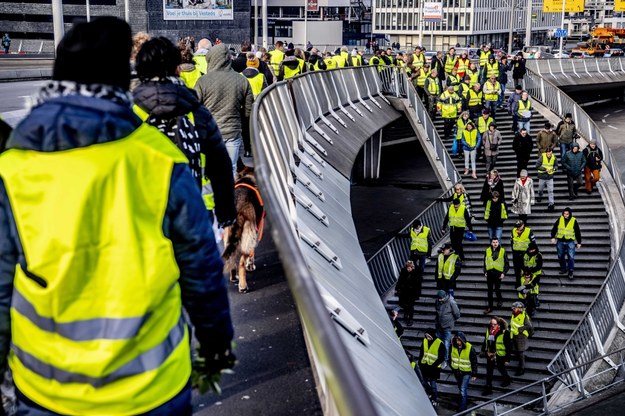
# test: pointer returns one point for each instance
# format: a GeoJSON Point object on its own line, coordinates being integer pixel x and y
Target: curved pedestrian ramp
{"type": "Point", "coordinates": [579, 72]}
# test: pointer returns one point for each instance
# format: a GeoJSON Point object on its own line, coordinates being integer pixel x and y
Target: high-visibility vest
{"type": "Point", "coordinates": [277, 56]}
{"type": "Point", "coordinates": [418, 61]}
{"type": "Point", "coordinates": [345, 56]}
{"type": "Point", "coordinates": [521, 242]}
{"type": "Point", "coordinates": [464, 89]}
{"type": "Point", "coordinates": [450, 63]}
{"type": "Point", "coordinates": [484, 58]}
{"type": "Point", "coordinates": [504, 213]}
{"type": "Point", "coordinates": [470, 137]}
{"type": "Point", "coordinates": [566, 232]}
{"type": "Point", "coordinates": [547, 164]}
{"type": "Point", "coordinates": [482, 124]}
{"type": "Point", "coordinates": [534, 290]}
{"type": "Point", "coordinates": [492, 69]}
{"type": "Point", "coordinates": [103, 333]}
{"type": "Point", "coordinates": [500, 346]}
{"type": "Point", "coordinates": [356, 60]}
{"type": "Point", "coordinates": [423, 74]}
{"type": "Point", "coordinates": [331, 63]}
{"type": "Point", "coordinates": [200, 63]}
{"type": "Point", "coordinates": [461, 361]}
{"type": "Point", "coordinates": [256, 83]}
{"type": "Point", "coordinates": [340, 60]}
{"type": "Point", "coordinates": [475, 98]}
{"type": "Point", "coordinates": [461, 125]}
{"type": "Point", "coordinates": [530, 262]}
{"type": "Point", "coordinates": [433, 86]}
{"type": "Point", "coordinates": [430, 352]}
{"type": "Point", "coordinates": [190, 77]}
{"type": "Point", "coordinates": [456, 217]}
{"type": "Point", "coordinates": [495, 264]}
{"type": "Point", "coordinates": [446, 268]}
{"type": "Point", "coordinates": [517, 322]}
{"type": "Point", "coordinates": [419, 242]}
{"type": "Point", "coordinates": [463, 64]}
{"type": "Point", "coordinates": [291, 72]}
{"type": "Point", "coordinates": [449, 104]}
{"type": "Point", "coordinates": [491, 92]}
{"type": "Point", "coordinates": [474, 75]}
{"type": "Point", "coordinates": [523, 107]}
{"type": "Point", "coordinates": [455, 81]}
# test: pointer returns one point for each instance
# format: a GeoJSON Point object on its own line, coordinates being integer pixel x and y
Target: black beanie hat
{"type": "Point", "coordinates": [96, 52]}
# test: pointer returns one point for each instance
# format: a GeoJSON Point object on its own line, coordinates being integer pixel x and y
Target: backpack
{"type": "Point", "coordinates": [181, 131]}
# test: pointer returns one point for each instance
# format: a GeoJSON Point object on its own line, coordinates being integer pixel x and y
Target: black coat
{"type": "Point", "coordinates": [409, 285]}
{"type": "Point", "coordinates": [523, 146]}
{"type": "Point", "coordinates": [518, 68]}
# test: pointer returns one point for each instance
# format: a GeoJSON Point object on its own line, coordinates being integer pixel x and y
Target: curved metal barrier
{"type": "Point", "coordinates": [571, 71]}
{"type": "Point", "coordinates": [297, 128]}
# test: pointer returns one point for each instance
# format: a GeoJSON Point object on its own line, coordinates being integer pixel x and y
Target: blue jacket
{"type": "Point", "coordinates": [76, 121]}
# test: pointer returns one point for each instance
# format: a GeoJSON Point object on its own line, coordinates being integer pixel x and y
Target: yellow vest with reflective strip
{"type": "Point", "coordinates": [534, 290]}
{"type": "Point", "coordinates": [463, 65]}
{"type": "Point", "coordinates": [495, 264]}
{"type": "Point", "coordinates": [524, 106]}
{"type": "Point", "coordinates": [455, 81]}
{"type": "Point", "coordinates": [484, 58]}
{"type": "Point", "coordinates": [475, 98]}
{"type": "Point", "coordinates": [470, 137]}
{"type": "Point", "coordinates": [450, 63]}
{"type": "Point", "coordinates": [520, 242]}
{"type": "Point", "coordinates": [449, 104]}
{"type": "Point", "coordinates": [492, 69]}
{"type": "Point", "coordinates": [356, 60]}
{"type": "Point", "coordinates": [475, 76]}
{"type": "Point", "coordinates": [277, 56]}
{"type": "Point", "coordinates": [504, 212]}
{"type": "Point", "coordinates": [530, 262]}
{"type": "Point", "coordinates": [430, 352]}
{"type": "Point", "coordinates": [190, 77]}
{"type": "Point", "coordinates": [433, 86]}
{"type": "Point", "coordinates": [464, 89]}
{"type": "Point", "coordinates": [547, 164]}
{"type": "Point", "coordinates": [566, 232]}
{"type": "Point", "coordinates": [340, 61]}
{"type": "Point", "coordinates": [461, 124]}
{"type": "Point", "coordinates": [482, 124]}
{"type": "Point", "coordinates": [446, 268]}
{"type": "Point", "coordinates": [418, 61]}
{"type": "Point", "coordinates": [517, 322]}
{"type": "Point", "coordinates": [500, 347]}
{"type": "Point", "coordinates": [423, 74]}
{"type": "Point", "coordinates": [419, 242]}
{"type": "Point", "coordinates": [491, 92]}
{"type": "Point", "coordinates": [256, 83]}
{"type": "Point", "coordinates": [96, 318]}
{"type": "Point", "coordinates": [461, 361]}
{"type": "Point", "coordinates": [456, 217]}
{"type": "Point", "coordinates": [330, 63]}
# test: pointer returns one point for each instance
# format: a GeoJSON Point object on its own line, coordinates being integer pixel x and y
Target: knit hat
{"type": "Point", "coordinates": [574, 144]}
{"type": "Point", "coordinates": [518, 305]}
{"type": "Point", "coordinates": [567, 209]}
{"type": "Point", "coordinates": [547, 125]}
{"type": "Point", "coordinates": [96, 52]}
{"type": "Point", "coordinates": [253, 62]}
{"type": "Point", "coordinates": [592, 141]}
{"type": "Point", "coordinates": [456, 201]}
{"type": "Point", "coordinates": [523, 172]}
{"type": "Point", "coordinates": [446, 246]}
{"type": "Point", "coordinates": [441, 294]}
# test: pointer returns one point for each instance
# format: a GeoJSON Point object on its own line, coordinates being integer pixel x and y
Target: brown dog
{"type": "Point", "coordinates": [241, 238]}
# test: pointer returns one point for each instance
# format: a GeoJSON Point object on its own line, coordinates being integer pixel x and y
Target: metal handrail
{"type": "Point", "coordinates": [579, 383]}
{"type": "Point", "coordinates": [571, 67]}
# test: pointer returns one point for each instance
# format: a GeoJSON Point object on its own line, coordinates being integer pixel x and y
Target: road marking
{"type": "Point", "coordinates": [612, 127]}
{"type": "Point", "coordinates": [618, 111]}
{"type": "Point", "coordinates": [603, 120]}
{"type": "Point", "coordinates": [607, 115]}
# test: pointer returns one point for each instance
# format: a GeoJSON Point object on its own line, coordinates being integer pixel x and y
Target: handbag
{"type": "Point", "coordinates": [470, 236]}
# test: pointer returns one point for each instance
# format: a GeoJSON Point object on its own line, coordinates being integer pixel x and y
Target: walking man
{"type": "Point", "coordinates": [448, 268]}
{"type": "Point", "coordinates": [524, 111]}
{"type": "Point", "coordinates": [447, 313]}
{"type": "Point", "coordinates": [566, 132]}
{"type": "Point", "coordinates": [567, 236]}
{"type": "Point", "coordinates": [496, 266]}
{"type": "Point", "coordinates": [573, 164]}
{"type": "Point", "coordinates": [521, 329]}
{"type": "Point", "coordinates": [520, 239]}
{"type": "Point", "coordinates": [430, 361]}
{"type": "Point", "coordinates": [592, 171]}
{"type": "Point", "coordinates": [464, 366]}
{"type": "Point", "coordinates": [496, 348]}
{"type": "Point", "coordinates": [449, 103]}
{"type": "Point", "coordinates": [547, 165]}
{"type": "Point", "coordinates": [408, 289]}
{"type": "Point", "coordinates": [420, 244]}
{"type": "Point", "coordinates": [522, 144]}
{"type": "Point", "coordinates": [458, 219]}
{"type": "Point", "coordinates": [495, 214]}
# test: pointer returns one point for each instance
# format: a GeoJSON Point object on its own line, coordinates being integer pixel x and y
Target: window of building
{"type": "Point", "coordinates": [283, 30]}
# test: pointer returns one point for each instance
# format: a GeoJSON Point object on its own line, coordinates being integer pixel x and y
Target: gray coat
{"type": "Point", "coordinates": [447, 313]}
{"type": "Point", "coordinates": [491, 137]}
{"type": "Point", "coordinates": [523, 196]}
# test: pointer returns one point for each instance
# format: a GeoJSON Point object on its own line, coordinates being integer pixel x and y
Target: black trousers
{"type": "Point", "coordinates": [522, 160]}
{"type": "Point", "coordinates": [490, 369]}
{"type": "Point", "coordinates": [494, 284]}
{"type": "Point", "coordinates": [517, 261]}
{"type": "Point", "coordinates": [456, 235]}
{"type": "Point", "coordinates": [449, 127]}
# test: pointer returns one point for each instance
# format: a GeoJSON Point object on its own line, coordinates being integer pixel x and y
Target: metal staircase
{"type": "Point", "coordinates": [563, 301]}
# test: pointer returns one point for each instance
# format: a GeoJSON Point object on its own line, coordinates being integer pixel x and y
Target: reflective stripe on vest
{"type": "Point", "coordinates": [463, 64]}
{"type": "Point", "coordinates": [482, 124]}
{"type": "Point", "coordinates": [277, 56]}
{"type": "Point", "coordinates": [534, 290]}
{"type": "Point", "coordinates": [475, 98]}
{"type": "Point", "coordinates": [491, 92]}
{"type": "Point", "coordinates": [423, 74]}
{"type": "Point", "coordinates": [521, 242]}
{"type": "Point", "coordinates": [524, 106]}
{"type": "Point", "coordinates": [530, 262]}
{"type": "Point", "coordinates": [433, 86]}
{"type": "Point", "coordinates": [256, 83]}
{"type": "Point", "coordinates": [500, 346]}
{"type": "Point", "coordinates": [99, 331]}
{"type": "Point", "coordinates": [291, 72]}
{"type": "Point", "coordinates": [446, 268]}
{"type": "Point", "coordinates": [418, 61]}
{"type": "Point", "coordinates": [484, 58]}
{"type": "Point", "coordinates": [456, 217]}
{"type": "Point", "coordinates": [517, 322]}
{"type": "Point", "coordinates": [470, 137]}
{"type": "Point", "coordinates": [492, 69]}
{"type": "Point", "coordinates": [547, 164]}
{"type": "Point", "coordinates": [455, 81]}
{"type": "Point", "coordinates": [461, 361]}
{"type": "Point", "coordinates": [449, 104]}
{"type": "Point", "coordinates": [496, 264]}
{"type": "Point", "coordinates": [504, 212]}
{"type": "Point", "coordinates": [419, 242]}
{"type": "Point", "coordinates": [566, 232]}
{"type": "Point", "coordinates": [450, 63]}
{"type": "Point", "coordinates": [461, 124]}
{"type": "Point", "coordinates": [430, 352]}
{"type": "Point", "coordinates": [475, 76]}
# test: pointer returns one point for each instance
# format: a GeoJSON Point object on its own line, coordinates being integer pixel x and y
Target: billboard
{"type": "Point", "coordinates": [313, 5]}
{"type": "Point", "coordinates": [619, 5]}
{"type": "Point", "coordinates": [198, 10]}
{"type": "Point", "coordinates": [433, 12]}
{"type": "Point", "coordinates": [571, 6]}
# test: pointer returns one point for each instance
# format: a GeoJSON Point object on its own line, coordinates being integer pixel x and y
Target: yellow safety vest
{"type": "Point", "coordinates": [566, 232]}
{"type": "Point", "coordinates": [474, 75]}
{"type": "Point", "coordinates": [517, 322]}
{"type": "Point", "coordinates": [455, 81]}
{"type": "Point", "coordinates": [461, 125]}
{"type": "Point", "coordinates": [419, 242]}
{"type": "Point", "coordinates": [100, 331]}
{"type": "Point", "coordinates": [456, 217]}
{"type": "Point", "coordinates": [291, 72]}
{"type": "Point", "coordinates": [547, 164]}
{"type": "Point", "coordinates": [433, 86]}
{"type": "Point", "coordinates": [190, 77]}
{"type": "Point", "coordinates": [356, 60]}
{"type": "Point", "coordinates": [523, 107]}
{"type": "Point", "coordinates": [447, 268]}
{"type": "Point", "coordinates": [461, 361]}
{"type": "Point", "coordinates": [484, 58]}
{"type": "Point", "coordinates": [430, 352]}
{"type": "Point", "coordinates": [330, 63]}
{"type": "Point", "coordinates": [256, 83]}
{"type": "Point", "coordinates": [200, 63]}
{"type": "Point", "coordinates": [470, 137]}
{"type": "Point", "coordinates": [423, 74]}
{"type": "Point", "coordinates": [340, 61]}
{"type": "Point", "coordinates": [504, 213]}
{"type": "Point", "coordinates": [530, 261]}
{"type": "Point", "coordinates": [534, 290]}
{"type": "Point", "coordinates": [496, 264]}
{"type": "Point", "coordinates": [492, 92]}
{"type": "Point", "coordinates": [450, 63]}
{"type": "Point", "coordinates": [345, 56]}
{"type": "Point", "coordinates": [482, 124]}
{"type": "Point", "coordinates": [463, 64]}
{"type": "Point", "coordinates": [492, 70]}
{"type": "Point", "coordinates": [500, 346]}
{"type": "Point", "coordinates": [521, 242]}
{"type": "Point", "coordinates": [277, 56]}
{"type": "Point", "coordinates": [449, 104]}
{"type": "Point", "coordinates": [418, 61]}
{"type": "Point", "coordinates": [475, 98]}
{"type": "Point", "coordinates": [464, 89]}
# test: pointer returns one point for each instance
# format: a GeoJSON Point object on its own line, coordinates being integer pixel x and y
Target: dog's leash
{"type": "Point", "coordinates": [261, 224]}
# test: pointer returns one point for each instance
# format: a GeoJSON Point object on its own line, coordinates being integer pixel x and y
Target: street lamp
{"type": "Point", "coordinates": [510, 25]}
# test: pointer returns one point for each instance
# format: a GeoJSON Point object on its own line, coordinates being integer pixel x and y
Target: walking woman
{"type": "Point", "coordinates": [523, 196]}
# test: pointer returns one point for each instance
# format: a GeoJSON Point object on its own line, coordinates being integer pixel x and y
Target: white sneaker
{"type": "Point", "coordinates": [444, 365]}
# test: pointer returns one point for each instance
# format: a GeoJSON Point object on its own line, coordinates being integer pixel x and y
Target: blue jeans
{"type": "Point", "coordinates": [564, 147]}
{"type": "Point", "coordinates": [234, 148]}
{"type": "Point", "coordinates": [419, 259]}
{"type": "Point", "coordinates": [445, 336]}
{"type": "Point", "coordinates": [495, 232]}
{"type": "Point", "coordinates": [503, 93]}
{"type": "Point", "coordinates": [178, 405]}
{"type": "Point", "coordinates": [462, 380]}
{"type": "Point", "coordinates": [566, 248]}
{"type": "Point", "coordinates": [525, 124]}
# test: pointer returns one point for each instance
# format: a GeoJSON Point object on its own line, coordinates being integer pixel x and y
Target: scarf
{"type": "Point", "coordinates": [55, 89]}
